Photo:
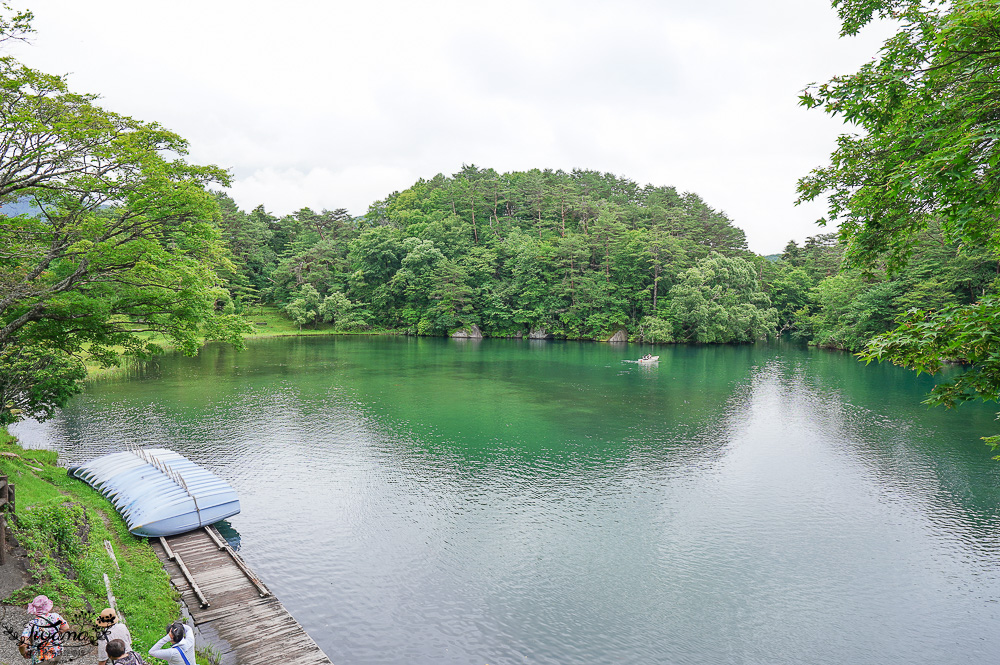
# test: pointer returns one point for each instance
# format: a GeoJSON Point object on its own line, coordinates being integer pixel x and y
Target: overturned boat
{"type": "Point", "coordinates": [159, 492]}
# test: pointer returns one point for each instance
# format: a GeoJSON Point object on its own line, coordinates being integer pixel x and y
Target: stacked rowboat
{"type": "Point", "coordinates": [159, 492]}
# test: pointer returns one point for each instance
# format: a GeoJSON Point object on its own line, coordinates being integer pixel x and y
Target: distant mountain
{"type": "Point", "coordinates": [19, 207]}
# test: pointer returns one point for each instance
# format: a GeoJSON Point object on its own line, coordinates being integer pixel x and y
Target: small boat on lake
{"type": "Point", "coordinates": [159, 492]}
{"type": "Point", "coordinates": [648, 359]}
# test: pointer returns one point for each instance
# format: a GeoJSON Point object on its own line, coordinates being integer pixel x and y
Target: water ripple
{"type": "Point", "coordinates": [411, 501]}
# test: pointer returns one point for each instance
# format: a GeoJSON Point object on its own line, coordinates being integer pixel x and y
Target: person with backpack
{"type": "Point", "coordinates": [180, 651]}
{"type": "Point", "coordinates": [110, 628]}
{"type": "Point", "coordinates": [119, 655]}
{"type": "Point", "coordinates": [41, 640]}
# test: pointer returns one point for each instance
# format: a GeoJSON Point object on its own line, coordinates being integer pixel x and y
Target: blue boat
{"type": "Point", "coordinates": [159, 492]}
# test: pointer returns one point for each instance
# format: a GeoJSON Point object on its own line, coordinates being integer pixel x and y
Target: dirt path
{"type": "Point", "coordinates": [13, 576]}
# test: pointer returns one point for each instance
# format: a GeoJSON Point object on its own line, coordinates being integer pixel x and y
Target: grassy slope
{"type": "Point", "coordinates": [53, 512]}
{"type": "Point", "coordinates": [267, 321]}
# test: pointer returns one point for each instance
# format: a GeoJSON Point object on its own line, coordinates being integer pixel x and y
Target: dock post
{"type": "Point", "coordinates": [216, 537]}
{"type": "Point", "coordinates": [176, 558]}
{"type": "Point", "coordinates": [6, 505]}
{"type": "Point", "coordinates": [190, 578]}
{"type": "Point", "coordinates": [166, 548]}
{"type": "Point", "coordinates": [251, 628]}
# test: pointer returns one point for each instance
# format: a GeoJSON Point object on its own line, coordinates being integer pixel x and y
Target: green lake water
{"type": "Point", "coordinates": [493, 502]}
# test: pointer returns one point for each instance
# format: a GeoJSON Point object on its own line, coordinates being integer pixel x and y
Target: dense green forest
{"type": "Point", "coordinates": [577, 255]}
{"type": "Point", "coordinates": [108, 234]}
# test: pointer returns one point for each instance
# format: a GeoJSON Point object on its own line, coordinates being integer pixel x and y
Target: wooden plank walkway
{"type": "Point", "coordinates": [249, 627]}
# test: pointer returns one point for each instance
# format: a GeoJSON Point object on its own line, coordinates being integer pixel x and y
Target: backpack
{"type": "Point", "coordinates": [131, 658]}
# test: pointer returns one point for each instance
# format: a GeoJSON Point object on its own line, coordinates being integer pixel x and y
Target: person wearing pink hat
{"type": "Point", "coordinates": [41, 638]}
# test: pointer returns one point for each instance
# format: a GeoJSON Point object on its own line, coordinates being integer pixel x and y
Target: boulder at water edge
{"type": "Point", "coordinates": [620, 336]}
{"type": "Point", "coordinates": [471, 332]}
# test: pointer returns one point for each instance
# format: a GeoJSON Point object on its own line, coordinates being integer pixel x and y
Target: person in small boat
{"type": "Point", "coordinates": [41, 640]}
{"type": "Point", "coordinates": [647, 356]}
{"type": "Point", "coordinates": [110, 628]}
{"type": "Point", "coordinates": [119, 655]}
{"type": "Point", "coordinates": [180, 651]}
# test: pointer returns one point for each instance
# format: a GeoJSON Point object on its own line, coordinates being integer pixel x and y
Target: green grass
{"type": "Point", "coordinates": [63, 523]}
{"type": "Point", "coordinates": [268, 321]}
{"type": "Point", "coordinates": [97, 371]}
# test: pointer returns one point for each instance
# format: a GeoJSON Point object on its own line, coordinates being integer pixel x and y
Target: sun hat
{"type": "Point", "coordinates": [107, 618]}
{"type": "Point", "coordinates": [39, 606]}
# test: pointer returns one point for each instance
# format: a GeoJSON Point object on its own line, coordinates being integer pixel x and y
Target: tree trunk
{"type": "Point", "coordinates": [656, 284]}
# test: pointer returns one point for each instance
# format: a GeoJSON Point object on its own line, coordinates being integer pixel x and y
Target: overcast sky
{"type": "Point", "coordinates": [336, 104]}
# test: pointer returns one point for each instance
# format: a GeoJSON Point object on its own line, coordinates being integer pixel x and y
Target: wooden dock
{"type": "Point", "coordinates": [231, 607]}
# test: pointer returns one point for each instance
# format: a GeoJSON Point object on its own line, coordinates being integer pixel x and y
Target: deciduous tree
{"type": "Point", "coordinates": [121, 241]}
{"type": "Point", "coordinates": [720, 300]}
{"type": "Point", "coordinates": [927, 111]}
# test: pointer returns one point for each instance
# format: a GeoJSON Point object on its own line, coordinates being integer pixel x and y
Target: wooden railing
{"type": "Point", "coordinates": [7, 507]}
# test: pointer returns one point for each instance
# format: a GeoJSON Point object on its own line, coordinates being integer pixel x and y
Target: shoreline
{"type": "Point", "coordinates": [268, 322]}
{"type": "Point", "coordinates": [60, 548]}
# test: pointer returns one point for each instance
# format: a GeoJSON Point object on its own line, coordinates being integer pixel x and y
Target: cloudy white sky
{"type": "Point", "coordinates": [332, 104]}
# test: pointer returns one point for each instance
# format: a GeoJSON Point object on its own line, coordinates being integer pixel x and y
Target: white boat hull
{"type": "Point", "coordinates": [159, 492]}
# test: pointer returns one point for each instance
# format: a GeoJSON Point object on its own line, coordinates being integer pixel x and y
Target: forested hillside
{"type": "Point", "coordinates": [577, 255]}
{"type": "Point", "coordinates": [831, 305]}
{"type": "Point", "coordinates": [111, 242]}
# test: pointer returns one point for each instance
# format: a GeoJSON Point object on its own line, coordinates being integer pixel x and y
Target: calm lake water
{"type": "Point", "coordinates": [494, 502]}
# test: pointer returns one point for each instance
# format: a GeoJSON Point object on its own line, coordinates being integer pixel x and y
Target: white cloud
{"type": "Point", "coordinates": [287, 190]}
{"type": "Point", "coordinates": [338, 104]}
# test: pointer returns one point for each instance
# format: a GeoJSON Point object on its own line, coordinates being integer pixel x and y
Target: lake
{"type": "Point", "coordinates": [417, 500]}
